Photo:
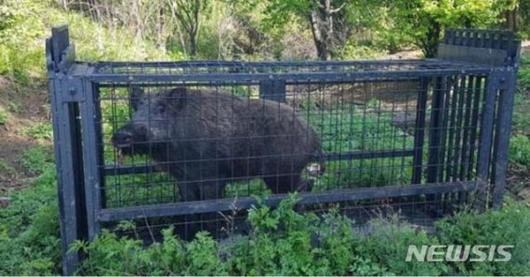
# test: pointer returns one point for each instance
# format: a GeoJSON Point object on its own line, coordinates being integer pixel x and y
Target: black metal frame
{"type": "Point", "coordinates": [474, 56]}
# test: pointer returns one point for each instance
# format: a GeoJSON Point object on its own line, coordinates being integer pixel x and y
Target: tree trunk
{"type": "Point", "coordinates": [511, 20]}
{"type": "Point", "coordinates": [429, 45]}
{"type": "Point", "coordinates": [320, 43]}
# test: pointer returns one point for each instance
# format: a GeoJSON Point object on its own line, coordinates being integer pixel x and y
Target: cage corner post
{"type": "Point", "coordinates": [60, 57]}
{"type": "Point", "coordinates": [503, 133]}
{"type": "Point", "coordinates": [486, 140]}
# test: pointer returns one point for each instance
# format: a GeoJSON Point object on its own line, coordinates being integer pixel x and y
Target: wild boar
{"type": "Point", "coordinates": [206, 139]}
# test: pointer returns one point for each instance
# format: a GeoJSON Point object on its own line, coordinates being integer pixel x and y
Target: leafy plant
{"type": "Point", "coordinates": [509, 226]}
{"type": "Point", "coordinates": [40, 131]}
{"type": "Point", "coordinates": [388, 246]}
{"type": "Point", "coordinates": [36, 160]}
{"type": "Point", "coordinates": [29, 230]}
{"type": "Point", "coordinates": [3, 116]}
{"type": "Point", "coordinates": [520, 150]}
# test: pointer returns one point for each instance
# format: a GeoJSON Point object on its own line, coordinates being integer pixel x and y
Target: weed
{"type": "Point", "coordinates": [37, 160]}
{"type": "Point", "coordinates": [6, 169]}
{"type": "Point", "coordinates": [40, 131]}
{"type": "Point", "coordinates": [509, 226]}
{"type": "Point", "coordinates": [3, 116]}
{"type": "Point", "coordinates": [520, 150]}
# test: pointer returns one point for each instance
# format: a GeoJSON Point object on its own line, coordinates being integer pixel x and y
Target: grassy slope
{"type": "Point", "coordinates": [24, 109]}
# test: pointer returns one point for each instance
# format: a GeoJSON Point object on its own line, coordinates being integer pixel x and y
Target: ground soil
{"type": "Point", "coordinates": [25, 107]}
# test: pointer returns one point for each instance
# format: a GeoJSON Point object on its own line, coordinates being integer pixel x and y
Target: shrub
{"type": "Point", "coordinates": [29, 230]}
{"type": "Point", "coordinates": [389, 244]}
{"type": "Point", "coordinates": [37, 160]}
{"type": "Point", "coordinates": [3, 116]}
{"type": "Point", "coordinates": [519, 151]}
{"type": "Point", "coordinates": [23, 30]}
{"type": "Point", "coordinates": [509, 226]}
{"type": "Point", "coordinates": [523, 76]}
{"type": "Point", "coordinates": [40, 131]}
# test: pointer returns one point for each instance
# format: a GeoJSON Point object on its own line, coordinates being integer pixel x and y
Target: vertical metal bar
{"type": "Point", "coordinates": [458, 128]}
{"type": "Point", "coordinates": [504, 128]}
{"type": "Point", "coordinates": [419, 131]}
{"type": "Point", "coordinates": [478, 98]}
{"type": "Point", "coordinates": [451, 127]}
{"type": "Point", "coordinates": [434, 131]}
{"type": "Point", "coordinates": [91, 153]}
{"type": "Point", "coordinates": [485, 140]}
{"type": "Point", "coordinates": [95, 98]}
{"type": "Point", "coordinates": [467, 128]}
{"type": "Point", "coordinates": [464, 119]}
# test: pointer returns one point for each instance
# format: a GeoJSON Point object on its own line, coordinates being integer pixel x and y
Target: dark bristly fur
{"type": "Point", "coordinates": [205, 139]}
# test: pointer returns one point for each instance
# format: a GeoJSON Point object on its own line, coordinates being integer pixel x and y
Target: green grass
{"type": "Point", "coordinates": [3, 116]}
{"type": "Point", "coordinates": [36, 160]}
{"type": "Point", "coordinates": [29, 228]}
{"type": "Point", "coordinates": [280, 243]}
{"type": "Point", "coordinates": [519, 151]}
{"type": "Point", "coordinates": [39, 131]}
{"type": "Point", "coordinates": [523, 75]}
{"type": "Point", "coordinates": [25, 24]}
{"type": "Point", "coordinates": [354, 128]}
{"type": "Point", "coordinates": [6, 170]}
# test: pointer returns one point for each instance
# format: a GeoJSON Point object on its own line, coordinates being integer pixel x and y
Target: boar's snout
{"type": "Point", "coordinates": [130, 136]}
{"type": "Point", "coordinates": [122, 138]}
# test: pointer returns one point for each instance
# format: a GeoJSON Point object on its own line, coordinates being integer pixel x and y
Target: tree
{"type": "Point", "coordinates": [187, 12]}
{"type": "Point", "coordinates": [327, 19]}
{"type": "Point", "coordinates": [425, 20]}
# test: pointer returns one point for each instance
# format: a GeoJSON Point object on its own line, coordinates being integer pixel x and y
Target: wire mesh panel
{"type": "Point", "coordinates": [189, 141]}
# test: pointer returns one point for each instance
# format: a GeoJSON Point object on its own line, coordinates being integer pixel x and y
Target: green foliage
{"type": "Point", "coordinates": [37, 160]}
{"type": "Point", "coordinates": [521, 116]}
{"type": "Point", "coordinates": [3, 116]}
{"type": "Point", "coordinates": [520, 150]}
{"type": "Point", "coordinates": [24, 24]}
{"type": "Point", "coordinates": [509, 226]}
{"type": "Point", "coordinates": [111, 255]}
{"type": "Point", "coordinates": [423, 21]}
{"type": "Point", "coordinates": [388, 246]}
{"type": "Point", "coordinates": [345, 128]}
{"type": "Point", "coordinates": [523, 75]}
{"type": "Point", "coordinates": [6, 170]}
{"type": "Point", "coordinates": [29, 230]}
{"type": "Point", "coordinates": [281, 242]}
{"type": "Point", "coordinates": [40, 131]}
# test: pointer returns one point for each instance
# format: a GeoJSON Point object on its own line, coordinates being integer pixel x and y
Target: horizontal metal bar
{"type": "Point", "coordinates": [368, 154]}
{"type": "Point", "coordinates": [230, 204]}
{"type": "Point", "coordinates": [231, 84]}
{"type": "Point", "coordinates": [289, 78]}
{"type": "Point", "coordinates": [111, 170]}
{"type": "Point", "coordinates": [210, 63]}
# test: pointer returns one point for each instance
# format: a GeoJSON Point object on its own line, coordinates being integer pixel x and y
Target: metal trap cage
{"type": "Point", "coordinates": [193, 144]}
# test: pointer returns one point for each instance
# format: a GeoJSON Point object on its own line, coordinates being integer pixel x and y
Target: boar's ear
{"type": "Point", "coordinates": [137, 94]}
{"type": "Point", "coordinates": [178, 96]}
